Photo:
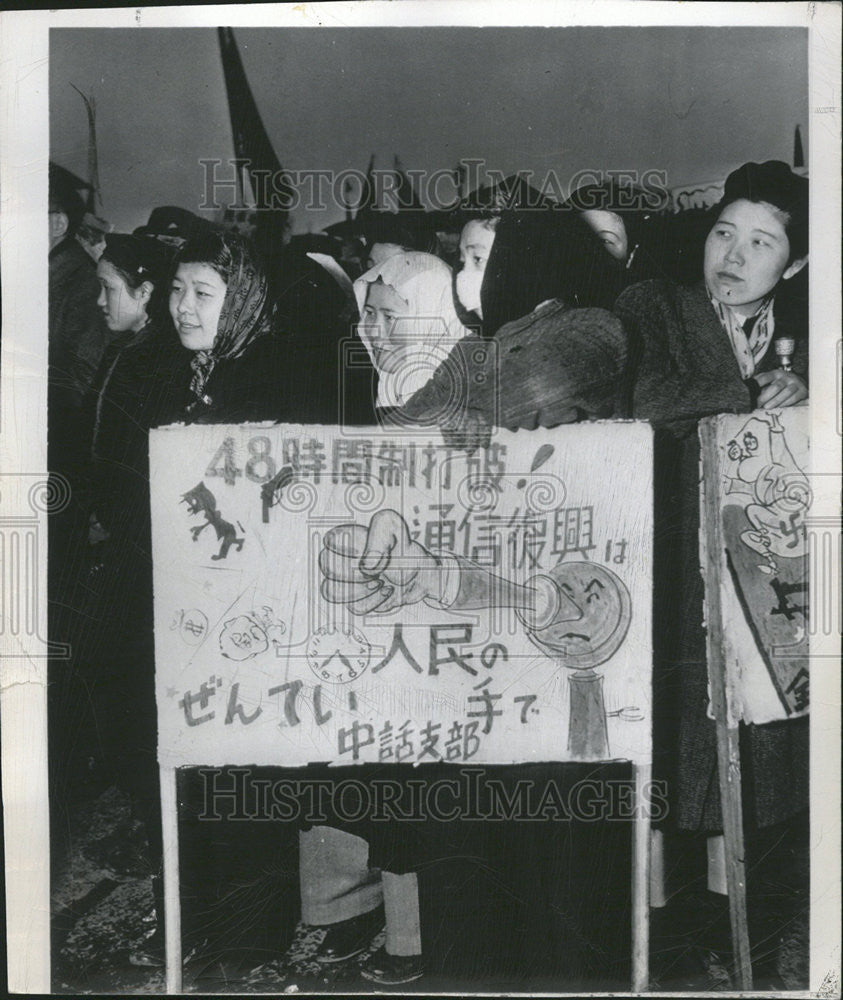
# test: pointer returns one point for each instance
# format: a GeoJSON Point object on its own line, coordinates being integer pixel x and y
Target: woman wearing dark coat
{"type": "Point", "coordinates": [130, 395]}
{"type": "Point", "coordinates": [542, 255]}
{"type": "Point", "coordinates": [223, 363]}
{"type": "Point", "coordinates": [554, 355]}
{"type": "Point", "coordinates": [694, 352]}
{"type": "Point", "coordinates": [102, 700]}
{"type": "Point", "coordinates": [241, 368]}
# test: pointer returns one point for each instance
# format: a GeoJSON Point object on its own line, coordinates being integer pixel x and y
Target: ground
{"type": "Point", "coordinates": [103, 911]}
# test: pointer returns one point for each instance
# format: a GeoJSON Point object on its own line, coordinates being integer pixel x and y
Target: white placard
{"type": "Point", "coordinates": [524, 628]}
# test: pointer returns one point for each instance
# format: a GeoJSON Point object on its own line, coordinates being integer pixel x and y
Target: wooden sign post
{"type": "Point", "coordinates": [754, 550]}
{"type": "Point", "coordinates": [354, 596]}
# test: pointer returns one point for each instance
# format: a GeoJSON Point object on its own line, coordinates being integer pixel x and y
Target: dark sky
{"type": "Point", "coordinates": [694, 102]}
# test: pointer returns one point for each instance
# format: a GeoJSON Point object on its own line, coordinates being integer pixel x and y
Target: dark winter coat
{"type": "Point", "coordinates": [78, 339]}
{"type": "Point", "coordinates": [681, 369]}
{"type": "Point", "coordinates": [140, 386]}
{"type": "Point", "coordinates": [279, 378]}
{"type": "Point", "coordinates": [556, 365]}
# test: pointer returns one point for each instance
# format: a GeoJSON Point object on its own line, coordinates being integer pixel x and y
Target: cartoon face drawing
{"type": "Point", "coordinates": [242, 638]}
{"type": "Point", "coordinates": [775, 491]}
{"type": "Point", "coordinates": [743, 448]}
{"type": "Point", "coordinates": [595, 620]}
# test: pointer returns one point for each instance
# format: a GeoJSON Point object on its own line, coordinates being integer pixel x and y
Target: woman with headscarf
{"type": "Point", "coordinates": [241, 370]}
{"type": "Point", "coordinates": [222, 364]}
{"type": "Point", "coordinates": [698, 351]}
{"type": "Point", "coordinates": [221, 309]}
{"type": "Point", "coordinates": [408, 322]}
{"type": "Point", "coordinates": [408, 325]}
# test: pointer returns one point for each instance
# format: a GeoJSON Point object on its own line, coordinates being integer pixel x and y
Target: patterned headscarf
{"type": "Point", "coordinates": [245, 314]}
{"type": "Point", "coordinates": [428, 330]}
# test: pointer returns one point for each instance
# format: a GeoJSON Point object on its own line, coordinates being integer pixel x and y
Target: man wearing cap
{"type": "Point", "coordinates": [78, 335]}
{"type": "Point", "coordinates": [173, 226]}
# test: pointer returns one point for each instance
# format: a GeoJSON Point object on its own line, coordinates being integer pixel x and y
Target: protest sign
{"type": "Point", "coordinates": [326, 595]}
{"type": "Point", "coordinates": [757, 464]}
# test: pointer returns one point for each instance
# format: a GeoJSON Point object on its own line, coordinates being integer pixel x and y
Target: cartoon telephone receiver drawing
{"type": "Point", "coordinates": [578, 613]}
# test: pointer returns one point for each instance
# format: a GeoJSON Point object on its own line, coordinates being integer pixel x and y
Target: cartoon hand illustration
{"type": "Point", "coordinates": [377, 569]}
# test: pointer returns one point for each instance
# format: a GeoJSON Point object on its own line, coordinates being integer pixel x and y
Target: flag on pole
{"type": "Point", "coordinates": [798, 154]}
{"type": "Point", "coordinates": [269, 182]}
{"type": "Point", "coordinates": [408, 196]}
{"type": "Point", "coordinates": [368, 196]}
{"type": "Point", "coordinates": [93, 190]}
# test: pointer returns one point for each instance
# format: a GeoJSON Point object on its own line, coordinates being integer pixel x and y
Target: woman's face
{"type": "Point", "coordinates": [746, 255]}
{"type": "Point", "coordinates": [475, 246]}
{"type": "Point", "coordinates": [197, 295]}
{"type": "Point", "coordinates": [610, 229]}
{"type": "Point", "coordinates": [380, 325]}
{"type": "Point", "coordinates": [124, 308]}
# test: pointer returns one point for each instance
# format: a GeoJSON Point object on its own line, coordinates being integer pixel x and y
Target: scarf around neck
{"type": "Point", "coordinates": [748, 350]}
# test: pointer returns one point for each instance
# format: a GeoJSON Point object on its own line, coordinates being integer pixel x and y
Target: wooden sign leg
{"type": "Point", "coordinates": [729, 764]}
{"type": "Point", "coordinates": [658, 881]}
{"type": "Point", "coordinates": [723, 687]}
{"type": "Point", "coordinates": [172, 899]}
{"type": "Point", "coordinates": [641, 882]}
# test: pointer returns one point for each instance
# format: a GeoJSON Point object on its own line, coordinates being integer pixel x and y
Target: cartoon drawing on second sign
{"type": "Point", "coordinates": [578, 613]}
{"type": "Point", "coordinates": [764, 471]}
{"type": "Point", "coordinates": [766, 497]}
{"type": "Point", "coordinates": [200, 500]}
{"type": "Point", "coordinates": [247, 636]}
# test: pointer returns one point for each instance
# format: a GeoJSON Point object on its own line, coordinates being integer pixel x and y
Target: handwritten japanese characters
{"type": "Point", "coordinates": [369, 597]}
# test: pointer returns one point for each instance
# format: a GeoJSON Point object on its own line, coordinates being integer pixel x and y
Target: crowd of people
{"type": "Point", "coordinates": [595, 313]}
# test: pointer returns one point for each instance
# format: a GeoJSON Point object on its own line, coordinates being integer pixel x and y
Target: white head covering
{"type": "Point", "coordinates": [429, 329]}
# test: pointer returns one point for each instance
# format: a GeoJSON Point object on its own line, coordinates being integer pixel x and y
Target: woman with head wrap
{"type": "Point", "coordinates": [408, 325]}
{"type": "Point", "coordinates": [697, 351]}
{"type": "Point", "coordinates": [221, 364]}
{"type": "Point", "coordinates": [407, 322]}
{"type": "Point", "coordinates": [240, 371]}
{"type": "Point", "coordinates": [221, 309]}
